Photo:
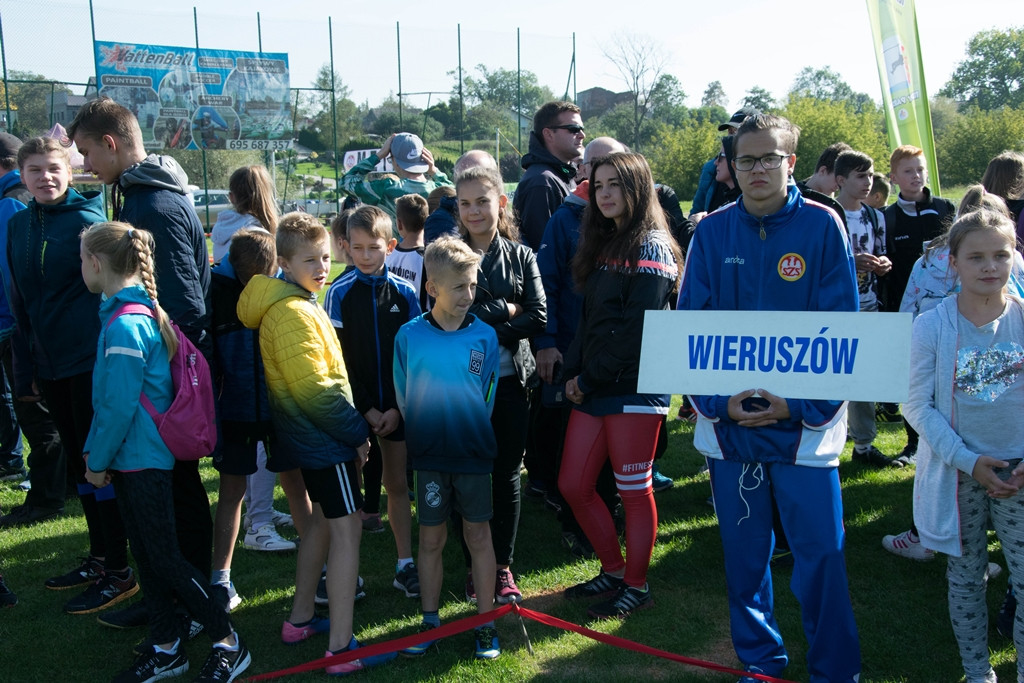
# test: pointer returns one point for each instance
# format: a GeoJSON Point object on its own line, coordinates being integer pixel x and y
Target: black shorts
{"type": "Point", "coordinates": [399, 433]}
{"type": "Point", "coordinates": [236, 450]}
{"type": "Point", "coordinates": [335, 489]}
{"type": "Point", "coordinates": [438, 493]}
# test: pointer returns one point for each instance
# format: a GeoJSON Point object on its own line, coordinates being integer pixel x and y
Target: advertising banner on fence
{"type": "Point", "coordinates": [901, 74]}
{"type": "Point", "coordinates": [793, 354]}
{"type": "Point", "coordinates": [199, 99]}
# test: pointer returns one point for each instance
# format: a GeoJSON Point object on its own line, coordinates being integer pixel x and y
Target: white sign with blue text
{"type": "Point", "coordinates": [793, 354]}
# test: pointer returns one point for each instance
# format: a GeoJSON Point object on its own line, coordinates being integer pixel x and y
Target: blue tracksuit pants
{"type": "Point", "coordinates": [811, 512]}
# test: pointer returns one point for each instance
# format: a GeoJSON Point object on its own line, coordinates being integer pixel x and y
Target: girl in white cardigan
{"type": "Point", "coordinates": [966, 400]}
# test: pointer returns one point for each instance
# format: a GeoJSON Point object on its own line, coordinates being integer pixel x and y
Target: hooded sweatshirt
{"type": "Point", "coordinates": [228, 223]}
{"type": "Point", "coordinates": [153, 195]}
{"type": "Point", "coordinates": [540, 192]}
{"type": "Point", "coordinates": [56, 312]}
{"type": "Point", "coordinates": [307, 382]}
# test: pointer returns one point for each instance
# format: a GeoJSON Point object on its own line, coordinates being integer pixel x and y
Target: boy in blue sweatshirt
{"type": "Point", "coordinates": [775, 250]}
{"type": "Point", "coordinates": [450, 353]}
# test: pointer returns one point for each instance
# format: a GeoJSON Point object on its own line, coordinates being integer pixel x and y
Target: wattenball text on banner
{"type": "Point", "coordinates": [186, 98]}
{"type": "Point", "coordinates": [793, 354]}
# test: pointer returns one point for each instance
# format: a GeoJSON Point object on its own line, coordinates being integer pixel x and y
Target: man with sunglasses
{"type": "Point", "coordinates": [773, 250]}
{"type": "Point", "coordinates": [556, 139]}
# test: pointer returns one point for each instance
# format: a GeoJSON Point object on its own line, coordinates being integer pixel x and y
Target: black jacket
{"type": "Point", "coordinates": [606, 351]}
{"type": "Point", "coordinates": [156, 199]}
{"type": "Point", "coordinates": [908, 225]}
{"type": "Point", "coordinates": [508, 274]}
{"type": "Point", "coordinates": [540, 192]}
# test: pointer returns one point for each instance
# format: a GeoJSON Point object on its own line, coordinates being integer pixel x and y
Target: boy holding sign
{"type": "Point", "coordinates": [774, 250]}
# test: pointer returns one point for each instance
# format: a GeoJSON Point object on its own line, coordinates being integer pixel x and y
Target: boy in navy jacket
{"type": "Point", "coordinates": [367, 306]}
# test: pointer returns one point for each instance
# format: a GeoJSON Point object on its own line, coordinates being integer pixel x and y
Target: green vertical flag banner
{"type": "Point", "coordinates": [901, 75]}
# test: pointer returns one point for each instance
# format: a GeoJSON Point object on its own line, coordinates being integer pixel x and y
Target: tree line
{"type": "Point", "coordinates": [978, 113]}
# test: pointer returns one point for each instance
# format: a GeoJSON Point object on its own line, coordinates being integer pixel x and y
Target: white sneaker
{"type": "Point", "coordinates": [994, 570]}
{"type": "Point", "coordinates": [267, 539]}
{"type": "Point", "coordinates": [278, 518]}
{"type": "Point", "coordinates": [906, 546]}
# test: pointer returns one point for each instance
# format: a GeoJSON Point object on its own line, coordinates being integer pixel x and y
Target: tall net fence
{"type": "Point", "coordinates": [388, 77]}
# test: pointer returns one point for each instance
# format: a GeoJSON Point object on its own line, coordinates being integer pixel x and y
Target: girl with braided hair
{"type": "Point", "coordinates": [125, 449]}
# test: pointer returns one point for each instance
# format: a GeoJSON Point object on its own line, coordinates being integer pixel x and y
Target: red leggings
{"type": "Point", "coordinates": [629, 441]}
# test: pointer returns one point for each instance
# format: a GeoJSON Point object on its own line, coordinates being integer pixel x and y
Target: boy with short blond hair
{"type": "Point", "coordinates": [916, 217]}
{"type": "Point", "coordinates": [317, 428]}
{"type": "Point", "coordinates": [406, 260]}
{"type": "Point", "coordinates": [451, 353]}
{"type": "Point", "coordinates": [367, 305]}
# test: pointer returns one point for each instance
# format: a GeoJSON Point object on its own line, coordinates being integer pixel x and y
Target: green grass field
{"type": "Point", "coordinates": [900, 605]}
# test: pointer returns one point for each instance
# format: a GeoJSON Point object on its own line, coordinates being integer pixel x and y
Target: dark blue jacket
{"type": "Point", "coordinates": [155, 198]}
{"type": "Point", "coordinates": [367, 312]}
{"type": "Point", "coordinates": [56, 314]}
{"type": "Point", "coordinates": [442, 222]}
{"type": "Point", "coordinates": [541, 190]}
{"type": "Point", "coordinates": [239, 384]}
{"type": "Point", "coordinates": [554, 261]}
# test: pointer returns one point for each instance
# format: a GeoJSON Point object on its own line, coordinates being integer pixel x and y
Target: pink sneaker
{"type": "Point", "coordinates": [355, 665]}
{"type": "Point", "coordinates": [505, 589]}
{"type": "Point", "coordinates": [293, 635]}
{"type": "Point", "coordinates": [907, 545]}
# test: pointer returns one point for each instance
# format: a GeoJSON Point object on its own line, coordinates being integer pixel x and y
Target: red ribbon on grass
{"type": "Point", "coordinates": [465, 624]}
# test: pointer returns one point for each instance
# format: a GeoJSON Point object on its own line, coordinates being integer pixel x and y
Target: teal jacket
{"type": "Point", "coordinates": [131, 358]}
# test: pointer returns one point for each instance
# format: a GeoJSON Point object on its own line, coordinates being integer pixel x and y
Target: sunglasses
{"type": "Point", "coordinates": [573, 128]}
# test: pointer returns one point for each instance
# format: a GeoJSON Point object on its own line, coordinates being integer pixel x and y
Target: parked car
{"type": "Point", "coordinates": [208, 205]}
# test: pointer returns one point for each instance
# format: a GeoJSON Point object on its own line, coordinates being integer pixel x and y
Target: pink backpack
{"type": "Point", "coordinates": [188, 428]}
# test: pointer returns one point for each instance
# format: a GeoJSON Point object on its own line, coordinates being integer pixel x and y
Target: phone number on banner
{"type": "Point", "coordinates": [259, 144]}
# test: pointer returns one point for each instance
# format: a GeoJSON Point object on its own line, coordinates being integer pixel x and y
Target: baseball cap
{"type": "Point", "coordinates": [407, 153]}
{"type": "Point", "coordinates": [738, 118]}
{"type": "Point", "coordinates": [9, 145]}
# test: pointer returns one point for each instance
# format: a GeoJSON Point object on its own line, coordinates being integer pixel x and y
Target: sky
{"type": "Point", "coordinates": [741, 43]}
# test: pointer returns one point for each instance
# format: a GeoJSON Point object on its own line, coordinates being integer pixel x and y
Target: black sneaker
{"type": "Point", "coordinates": [600, 586]}
{"type": "Point", "coordinates": [626, 601]}
{"type": "Point", "coordinates": [88, 572]}
{"type": "Point", "coordinates": [1004, 622]}
{"type": "Point", "coordinates": [908, 456]}
{"type": "Point", "coordinates": [23, 515]}
{"type": "Point", "coordinates": [108, 590]}
{"type": "Point", "coordinates": [132, 616]}
{"type": "Point", "coordinates": [875, 458]}
{"type": "Point", "coordinates": [407, 580]}
{"type": "Point", "coordinates": [578, 545]}
{"type": "Point", "coordinates": [223, 666]}
{"type": "Point", "coordinates": [188, 629]}
{"type": "Point", "coordinates": [153, 666]}
{"type": "Point", "coordinates": [7, 596]}
{"type": "Point", "coordinates": [12, 472]}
